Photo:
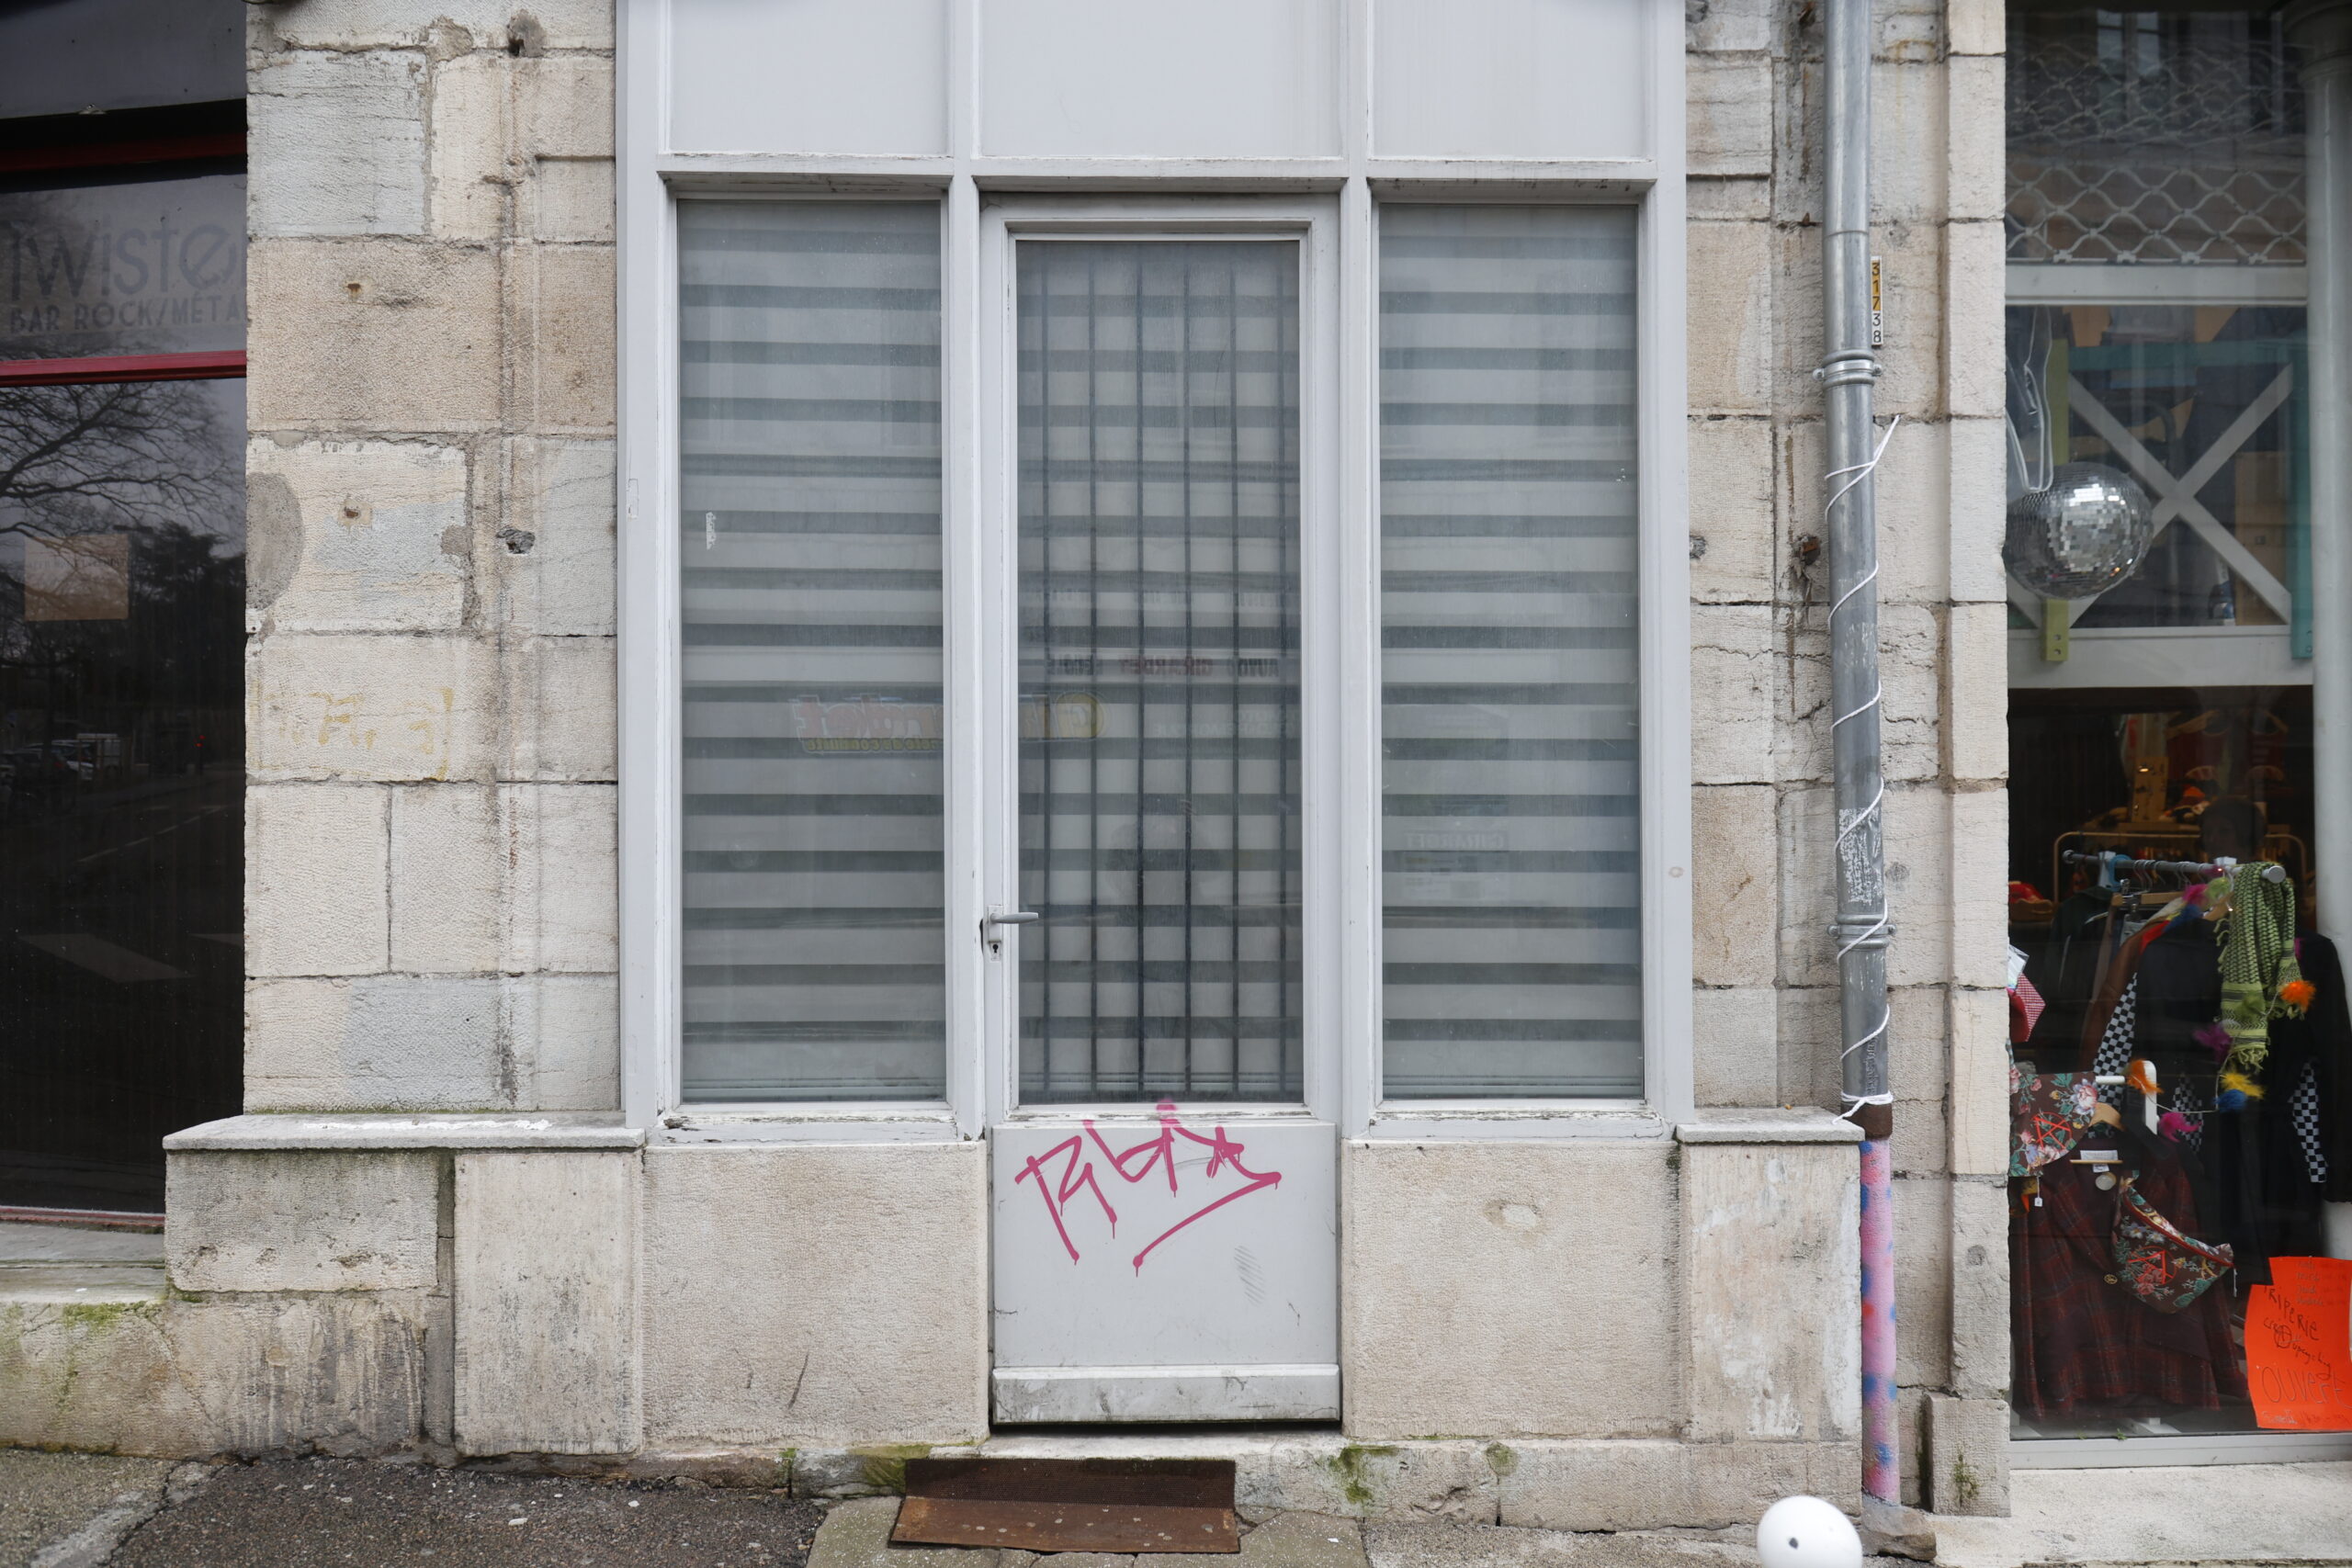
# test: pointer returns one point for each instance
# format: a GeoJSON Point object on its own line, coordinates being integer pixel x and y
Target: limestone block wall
{"type": "Point", "coordinates": [1765, 1004]}
{"type": "Point", "coordinates": [431, 812]}
{"type": "Point", "coordinates": [432, 875]}
{"type": "Point", "coordinates": [1646, 1332]}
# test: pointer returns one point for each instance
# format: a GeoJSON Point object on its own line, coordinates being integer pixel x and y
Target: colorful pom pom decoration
{"type": "Point", "coordinates": [2214, 1038]}
{"type": "Point", "coordinates": [2238, 1083]}
{"type": "Point", "coordinates": [2173, 1125]}
{"type": "Point", "coordinates": [2229, 1099]}
{"type": "Point", "coordinates": [2297, 994]}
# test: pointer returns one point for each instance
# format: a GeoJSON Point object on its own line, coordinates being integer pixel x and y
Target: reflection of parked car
{"type": "Point", "coordinates": [37, 771]}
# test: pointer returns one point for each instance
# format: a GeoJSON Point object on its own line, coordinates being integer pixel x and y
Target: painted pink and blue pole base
{"type": "Point", "coordinates": [1881, 1476]}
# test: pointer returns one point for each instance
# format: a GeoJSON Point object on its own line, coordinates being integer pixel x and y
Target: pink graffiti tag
{"type": "Point", "coordinates": [1133, 1164]}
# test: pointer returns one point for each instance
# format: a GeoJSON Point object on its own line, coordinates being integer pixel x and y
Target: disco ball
{"type": "Point", "coordinates": [2081, 537]}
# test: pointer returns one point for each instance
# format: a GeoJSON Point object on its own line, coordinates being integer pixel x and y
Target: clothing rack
{"type": "Point", "coordinates": [2109, 861]}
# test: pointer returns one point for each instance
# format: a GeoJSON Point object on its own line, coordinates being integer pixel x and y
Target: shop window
{"type": "Point", "coordinates": [122, 628]}
{"type": "Point", "coordinates": [2154, 136]}
{"type": "Point", "coordinates": [2180, 1034]}
{"type": "Point", "coordinates": [1512, 806]}
{"type": "Point", "coordinates": [1122, 710]}
{"type": "Point", "coordinates": [810, 481]}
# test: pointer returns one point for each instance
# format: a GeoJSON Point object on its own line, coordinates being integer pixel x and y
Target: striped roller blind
{"type": "Point", "coordinates": [1159, 603]}
{"type": "Point", "coordinates": [1512, 814]}
{"type": "Point", "coordinates": [810, 487]}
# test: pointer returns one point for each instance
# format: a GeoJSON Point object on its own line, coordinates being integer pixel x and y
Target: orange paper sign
{"type": "Point", "coordinates": [2299, 1345]}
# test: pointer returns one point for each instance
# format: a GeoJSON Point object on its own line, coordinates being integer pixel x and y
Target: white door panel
{"type": "Point", "coordinates": [1179, 1268]}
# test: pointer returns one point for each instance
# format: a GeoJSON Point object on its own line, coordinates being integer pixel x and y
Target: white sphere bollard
{"type": "Point", "coordinates": [1805, 1532]}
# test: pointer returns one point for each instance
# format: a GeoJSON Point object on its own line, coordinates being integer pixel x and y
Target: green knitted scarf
{"type": "Point", "coordinates": [2257, 958]}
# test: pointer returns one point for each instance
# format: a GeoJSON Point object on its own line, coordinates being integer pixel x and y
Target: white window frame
{"type": "Point", "coordinates": [1332, 203]}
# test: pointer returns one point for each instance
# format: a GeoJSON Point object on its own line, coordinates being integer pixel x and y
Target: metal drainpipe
{"type": "Point", "coordinates": [1860, 930]}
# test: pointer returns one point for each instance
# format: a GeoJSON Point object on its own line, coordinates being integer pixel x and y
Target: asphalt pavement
{"type": "Point", "coordinates": [324, 1513]}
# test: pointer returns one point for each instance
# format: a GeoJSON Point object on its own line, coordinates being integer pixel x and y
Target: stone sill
{"type": "Point", "coordinates": [577, 1130]}
{"type": "Point", "coordinates": [1810, 1125]}
{"type": "Point", "coordinates": [548, 1130]}
{"type": "Point", "coordinates": [1440, 1124]}
{"type": "Point", "coordinates": [79, 1284]}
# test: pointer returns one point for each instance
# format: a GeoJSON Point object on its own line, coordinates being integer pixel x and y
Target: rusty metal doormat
{"type": "Point", "coordinates": [1070, 1504]}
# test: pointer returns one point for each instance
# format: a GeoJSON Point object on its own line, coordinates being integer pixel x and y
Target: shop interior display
{"type": "Point", "coordinates": [2182, 1069]}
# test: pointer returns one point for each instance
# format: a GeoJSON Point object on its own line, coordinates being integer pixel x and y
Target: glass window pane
{"type": "Point", "coordinates": [1511, 813]}
{"type": "Point", "coordinates": [1159, 701]}
{"type": "Point", "coordinates": [2159, 397]}
{"type": "Point", "coordinates": [141, 266]}
{"type": "Point", "coordinates": [122, 608]}
{"type": "Point", "coordinates": [2165, 487]}
{"type": "Point", "coordinates": [814, 943]}
{"type": "Point", "coordinates": [2147, 136]}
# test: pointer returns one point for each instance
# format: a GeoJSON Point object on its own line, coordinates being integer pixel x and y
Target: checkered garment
{"type": "Point", "coordinates": [2194, 1103]}
{"type": "Point", "coordinates": [2303, 1108]}
{"type": "Point", "coordinates": [2116, 1040]}
{"type": "Point", "coordinates": [2082, 1342]}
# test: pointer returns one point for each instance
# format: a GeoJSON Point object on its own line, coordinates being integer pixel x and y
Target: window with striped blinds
{"type": "Point", "coordinates": [814, 941]}
{"type": "Point", "coordinates": [1160, 669]}
{"type": "Point", "coordinates": [1511, 813]}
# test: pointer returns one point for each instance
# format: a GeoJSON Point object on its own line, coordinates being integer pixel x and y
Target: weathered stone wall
{"type": "Point", "coordinates": [1766, 1002]}
{"type": "Point", "coordinates": [432, 872]}
{"type": "Point", "coordinates": [1511, 1289]}
{"type": "Point", "coordinates": [431, 817]}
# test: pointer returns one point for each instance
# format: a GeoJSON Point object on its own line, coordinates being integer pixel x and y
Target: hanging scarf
{"type": "Point", "coordinates": [2257, 964]}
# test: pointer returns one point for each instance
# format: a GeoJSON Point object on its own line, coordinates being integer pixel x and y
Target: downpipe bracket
{"type": "Point", "coordinates": [1846, 367]}
{"type": "Point", "coordinates": [1860, 934]}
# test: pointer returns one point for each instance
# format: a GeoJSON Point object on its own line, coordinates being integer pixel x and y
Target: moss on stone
{"type": "Point", "coordinates": [885, 1465]}
{"type": "Point", "coordinates": [1965, 1487]}
{"type": "Point", "coordinates": [93, 1316]}
{"type": "Point", "coordinates": [1352, 1467]}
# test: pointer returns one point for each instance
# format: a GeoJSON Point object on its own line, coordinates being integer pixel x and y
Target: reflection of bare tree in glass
{"type": "Point", "coordinates": [156, 466]}
{"type": "Point", "coordinates": [115, 457]}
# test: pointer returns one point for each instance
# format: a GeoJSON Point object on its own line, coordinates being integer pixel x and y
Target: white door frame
{"type": "Point", "coordinates": [984, 769]}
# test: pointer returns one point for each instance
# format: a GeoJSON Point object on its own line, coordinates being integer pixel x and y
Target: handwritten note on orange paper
{"type": "Point", "coordinates": [2299, 1345]}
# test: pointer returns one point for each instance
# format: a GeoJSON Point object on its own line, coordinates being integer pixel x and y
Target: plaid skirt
{"type": "Point", "coordinates": [2082, 1342]}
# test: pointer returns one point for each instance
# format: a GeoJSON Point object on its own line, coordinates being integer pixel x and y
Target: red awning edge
{"type": "Point", "coordinates": [213, 365]}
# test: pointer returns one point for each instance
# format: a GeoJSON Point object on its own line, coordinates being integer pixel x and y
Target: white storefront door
{"type": "Point", "coordinates": [1158, 459]}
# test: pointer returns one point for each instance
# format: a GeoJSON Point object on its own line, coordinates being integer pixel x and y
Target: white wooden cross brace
{"type": "Point", "coordinates": [2176, 496]}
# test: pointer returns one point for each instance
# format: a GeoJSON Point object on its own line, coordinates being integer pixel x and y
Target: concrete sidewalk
{"type": "Point", "coordinates": [88, 1511]}
{"type": "Point", "coordinates": [2200, 1513]}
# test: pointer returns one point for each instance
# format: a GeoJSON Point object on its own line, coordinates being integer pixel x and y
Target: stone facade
{"type": "Point", "coordinates": [1767, 998]}
{"type": "Point", "coordinates": [464, 1255]}
{"type": "Point", "coordinates": [431, 806]}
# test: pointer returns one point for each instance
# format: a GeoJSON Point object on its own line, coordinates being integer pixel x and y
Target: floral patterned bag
{"type": "Point", "coordinates": [2047, 1115]}
{"type": "Point", "coordinates": [2156, 1260]}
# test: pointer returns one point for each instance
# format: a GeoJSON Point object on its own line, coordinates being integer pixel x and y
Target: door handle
{"type": "Point", "coordinates": [994, 922]}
